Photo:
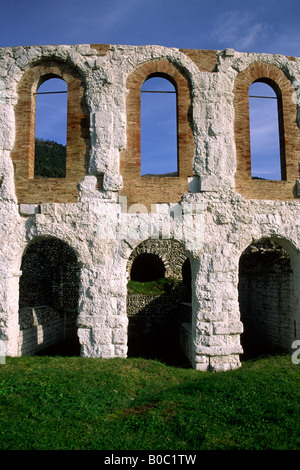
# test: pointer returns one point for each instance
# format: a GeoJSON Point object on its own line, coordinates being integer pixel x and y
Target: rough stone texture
{"type": "Point", "coordinates": [215, 219]}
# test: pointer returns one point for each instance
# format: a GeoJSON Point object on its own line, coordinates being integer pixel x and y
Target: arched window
{"type": "Point", "coordinates": [267, 159]}
{"type": "Point", "coordinates": [152, 184]}
{"type": "Point", "coordinates": [158, 127]}
{"type": "Point", "coordinates": [30, 189]}
{"type": "Point", "coordinates": [250, 184]}
{"type": "Point", "coordinates": [51, 129]}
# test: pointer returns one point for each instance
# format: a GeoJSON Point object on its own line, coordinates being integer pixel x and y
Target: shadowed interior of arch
{"type": "Point", "coordinates": [48, 299]}
{"type": "Point", "coordinates": [266, 282]}
{"type": "Point", "coordinates": [147, 267]}
{"type": "Point", "coordinates": [158, 304]}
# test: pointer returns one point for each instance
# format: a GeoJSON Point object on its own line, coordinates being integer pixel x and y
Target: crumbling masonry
{"type": "Point", "coordinates": [68, 244]}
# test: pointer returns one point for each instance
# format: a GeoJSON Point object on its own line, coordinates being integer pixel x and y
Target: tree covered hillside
{"type": "Point", "coordinates": [50, 159]}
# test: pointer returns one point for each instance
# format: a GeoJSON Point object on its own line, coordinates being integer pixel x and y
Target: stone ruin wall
{"type": "Point", "coordinates": [104, 209]}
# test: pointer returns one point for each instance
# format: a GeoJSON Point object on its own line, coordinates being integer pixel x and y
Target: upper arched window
{"type": "Point", "coordinates": [267, 150]}
{"type": "Point", "coordinates": [253, 180]}
{"type": "Point", "coordinates": [45, 116]}
{"type": "Point", "coordinates": [156, 168]}
{"type": "Point", "coordinates": [159, 127]}
{"type": "Point", "coordinates": [51, 129]}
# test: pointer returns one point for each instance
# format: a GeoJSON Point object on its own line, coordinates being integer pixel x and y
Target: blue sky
{"type": "Point", "coordinates": [258, 26]}
{"type": "Point", "coordinates": [270, 26]}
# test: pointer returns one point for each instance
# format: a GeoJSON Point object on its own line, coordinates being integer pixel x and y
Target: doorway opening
{"type": "Point", "coordinates": [159, 302]}
{"type": "Point", "coordinates": [48, 299]}
{"type": "Point", "coordinates": [266, 298]}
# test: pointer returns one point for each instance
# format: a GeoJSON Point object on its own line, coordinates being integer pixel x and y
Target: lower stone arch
{"type": "Point", "coordinates": [48, 299]}
{"type": "Point", "coordinates": [267, 298]}
{"type": "Point", "coordinates": [159, 309]}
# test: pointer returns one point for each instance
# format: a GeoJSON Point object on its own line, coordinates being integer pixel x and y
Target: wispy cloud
{"type": "Point", "coordinates": [240, 30]}
{"type": "Point", "coordinates": [107, 17]}
{"type": "Point", "coordinates": [119, 12]}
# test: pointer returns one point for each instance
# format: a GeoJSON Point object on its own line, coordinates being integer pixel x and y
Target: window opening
{"type": "Point", "coordinates": [51, 129]}
{"type": "Point", "coordinates": [158, 128]}
{"type": "Point", "coordinates": [264, 132]}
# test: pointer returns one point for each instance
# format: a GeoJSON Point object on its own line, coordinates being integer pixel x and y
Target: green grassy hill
{"type": "Point", "coordinates": [50, 159]}
{"type": "Point", "coordinates": [74, 403]}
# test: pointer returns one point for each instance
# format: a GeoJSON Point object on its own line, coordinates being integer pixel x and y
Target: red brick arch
{"type": "Point", "coordinates": [289, 134]}
{"type": "Point", "coordinates": [149, 190]}
{"type": "Point", "coordinates": [38, 190]}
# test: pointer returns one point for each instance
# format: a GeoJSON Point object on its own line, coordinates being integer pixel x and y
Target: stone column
{"type": "Point", "coordinates": [216, 325]}
{"type": "Point", "coordinates": [9, 308]}
{"type": "Point", "coordinates": [102, 321]}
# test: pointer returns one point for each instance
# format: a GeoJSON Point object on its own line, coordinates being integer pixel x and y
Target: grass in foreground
{"type": "Point", "coordinates": [56, 403]}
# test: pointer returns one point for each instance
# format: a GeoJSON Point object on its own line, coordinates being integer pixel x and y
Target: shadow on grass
{"type": "Point", "coordinates": [67, 348]}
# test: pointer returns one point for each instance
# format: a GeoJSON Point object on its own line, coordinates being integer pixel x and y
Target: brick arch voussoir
{"type": "Point", "coordinates": [158, 249]}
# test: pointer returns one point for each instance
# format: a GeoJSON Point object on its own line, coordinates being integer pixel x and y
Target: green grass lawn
{"type": "Point", "coordinates": [73, 403]}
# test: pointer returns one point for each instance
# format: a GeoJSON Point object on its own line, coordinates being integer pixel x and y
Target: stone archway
{"type": "Point", "coordinates": [48, 299]}
{"type": "Point", "coordinates": [158, 301]}
{"type": "Point", "coordinates": [266, 299]}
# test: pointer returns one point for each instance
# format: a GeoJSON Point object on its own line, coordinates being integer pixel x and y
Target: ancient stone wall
{"type": "Point", "coordinates": [103, 210]}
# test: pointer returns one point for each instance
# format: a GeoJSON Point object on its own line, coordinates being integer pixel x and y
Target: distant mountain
{"type": "Point", "coordinates": [50, 159]}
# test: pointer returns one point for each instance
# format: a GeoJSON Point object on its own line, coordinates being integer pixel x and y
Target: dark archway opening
{"type": "Point", "coordinates": [48, 299]}
{"type": "Point", "coordinates": [158, 303]}
{"type": "Point", "coordinates": [147, 267]}
{"type": "Point", "coordinates": [266, 300]}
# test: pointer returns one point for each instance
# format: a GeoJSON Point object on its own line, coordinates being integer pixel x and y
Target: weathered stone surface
{"type": "Point", "coordinates": [213, 223]}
